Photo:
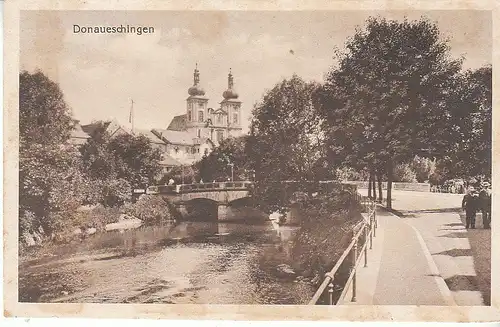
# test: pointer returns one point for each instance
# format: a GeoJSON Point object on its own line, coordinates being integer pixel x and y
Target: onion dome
{"type": "Point", "coordinates": [230, 93]}
{"type": "Point", "coordinates": [196, 89]}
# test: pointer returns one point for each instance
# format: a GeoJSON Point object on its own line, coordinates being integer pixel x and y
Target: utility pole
{"type": "Point", "coordinates": [131, 117]}
{"type": "Point", "coordinates": [232, 171]}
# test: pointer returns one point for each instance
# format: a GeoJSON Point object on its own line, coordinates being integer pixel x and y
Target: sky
{"type": "Point", "coordinates": [99, 74]}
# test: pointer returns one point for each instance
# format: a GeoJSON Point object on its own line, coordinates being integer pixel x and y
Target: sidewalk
{"type": "Point", "coordinates": [400, 269]}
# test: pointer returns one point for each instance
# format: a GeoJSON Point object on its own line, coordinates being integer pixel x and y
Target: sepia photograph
{"type": "Point", "coordinates": [321, 158]}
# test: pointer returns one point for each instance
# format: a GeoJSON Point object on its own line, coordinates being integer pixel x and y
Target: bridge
{"type": "Point", "coordinates": [223, 194]}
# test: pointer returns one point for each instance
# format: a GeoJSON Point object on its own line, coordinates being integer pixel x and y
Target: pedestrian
{"type": "Point", "coordinates": [485, 204]}
{"type": "Point", "coordinates": [470, 204]}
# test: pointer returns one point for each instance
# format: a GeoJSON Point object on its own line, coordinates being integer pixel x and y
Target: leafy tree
{"type": "Point", "coordinates": [181, 174]}
{"type": "Point", "coordinates": [388, 100]}
{"type": "Point", "coordinates": [50, 182]}
{"type": "Point", "coordinates": [404, 173]}
{"type": "Point", "coordinates": [44, 116]}
{"type": "Point", "coordinates": [216, 165]}
{"type": "Point", "coordinates": [469, 152]}
{"type": "Point", "coordinates": [285, 142]}
{"type": "Point", "coordinates": [423, 168]}
{"type": "Point", "coordinates": [135, 159]}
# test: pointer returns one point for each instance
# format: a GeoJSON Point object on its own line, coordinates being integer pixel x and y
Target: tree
{"type": "Point", "coordinates": [388, 100]}
{"type": "Point", "coordinates": [135, 159]}
{"type": "Point", "coordinates": [469, 151]}
{"type": "Point", "coordinates": [285, 143]}
{"type": "Point", "coordinates": [44, 116]}
{"type": "Point", "coordinates": [50, 183]}
{"type": "Point", "coordinates": [217, 164]}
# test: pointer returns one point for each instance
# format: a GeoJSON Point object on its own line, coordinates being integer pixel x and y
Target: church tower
{"type": "Point", "coordinates": [197, 111]}
{"type": "Point", "coordinates": [231, 106]}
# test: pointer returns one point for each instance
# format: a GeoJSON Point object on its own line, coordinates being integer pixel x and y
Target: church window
{"type": "Point", "coordinates": [219, 119]}
{"type": "Point", "coordinates": [200, 104]}
{"type": "Point", "coordinates": [198, 132]}
{"type": "Point", "coordinates": [235, 118]}
{"type": "Point", "coordinates": [189, 115]}
{"type": "Point", "coordinates": [200, 116]}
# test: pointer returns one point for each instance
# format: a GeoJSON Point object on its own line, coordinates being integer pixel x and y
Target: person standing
{"type": "Point", "coordinates": [485, 204]}
{"type": "Point", "coordinates": [470, 204]}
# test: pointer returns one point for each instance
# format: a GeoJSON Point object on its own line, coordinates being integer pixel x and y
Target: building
{"type": "Point", "coordinates": [189, 136]}
{"type": "Point", "coordinates": [78, 135]}
{"type": "Point", "coordinates": [203, 122]}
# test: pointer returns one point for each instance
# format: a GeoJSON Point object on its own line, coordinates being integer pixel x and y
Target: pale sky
{"type": "Point", "coordinates": [99, 74]}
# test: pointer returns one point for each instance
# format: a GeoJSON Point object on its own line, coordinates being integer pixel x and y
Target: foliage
{"type": "Point", "coordinates": [44, 116]}
{"type": "Point", "coordinates": [469, 152]}
{"type": "Point", "coordinates": [181, 174]}
{"type": "Point", "coordinates": [351, 174]}
{"type": "Point", "coordinates": [404, 173]}
{"type": "Point", "coordinates": [323, 234]}
{"type": "Point", "coordinates": [50, 182]}
{"type": "Point", "coordinates": [216, 165]}
{"type": "Point", "coordinates": [285, 142]}
{"type": "Point", "coordinates": [114, 165]}
{"type": "Point", "coordinates": [152, 210]}
{"type": "Point", "coordinates": [135, 159]}
{"type": "Point", "coordinates": [423, 168]}
{"type": "Point", "coordinates": [389, 98]}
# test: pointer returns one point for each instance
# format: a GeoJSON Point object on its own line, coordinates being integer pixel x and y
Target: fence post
{"type": "Point", "coordinates": [371, 232]}
{"type": "Point", "coordinates": [330, 292]}
{"type": "Point", "coordinates": [354, 259]}
{"type": "Point", "coordinates": [365, 244]}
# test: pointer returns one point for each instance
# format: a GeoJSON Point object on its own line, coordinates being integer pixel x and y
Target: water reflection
{"type": "Point", "coordinates": [187, 262]}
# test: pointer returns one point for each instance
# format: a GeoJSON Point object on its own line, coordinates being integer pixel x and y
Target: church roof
{"type": "Point", "coordinates": [178, 123]}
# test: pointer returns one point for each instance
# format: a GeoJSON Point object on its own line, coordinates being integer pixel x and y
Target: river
{"type": "Point", "coordinates": [186, 262]}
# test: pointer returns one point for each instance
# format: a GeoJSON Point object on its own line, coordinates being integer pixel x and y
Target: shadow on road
{"type": "Point", "coordinates": [456, 252]}
{"type": "Point", "coordinates": [480, 243]}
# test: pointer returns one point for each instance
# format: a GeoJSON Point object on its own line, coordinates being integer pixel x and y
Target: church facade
{"type": "Point", "coordinates": [204, 122]}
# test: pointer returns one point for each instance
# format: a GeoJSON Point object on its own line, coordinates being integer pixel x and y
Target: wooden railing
{"type": "Point", "coordinates": [362, 238]}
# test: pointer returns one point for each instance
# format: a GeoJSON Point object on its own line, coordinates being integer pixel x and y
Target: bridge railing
{"type": "Point", "coordinates": [186, 188]}
{"type": "Point", "coordinates": [362, 239]}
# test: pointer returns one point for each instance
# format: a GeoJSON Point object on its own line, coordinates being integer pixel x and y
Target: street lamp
{"type": "Point", "coordinates": [232, 171]}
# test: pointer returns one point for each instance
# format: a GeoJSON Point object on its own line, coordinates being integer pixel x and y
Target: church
{"type": "Point", "coordinates": [189, 136]}
{"type": "Point", "coordinates": [203, 122]}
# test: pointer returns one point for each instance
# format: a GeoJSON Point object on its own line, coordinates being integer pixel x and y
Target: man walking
{"type": "Point", "coordinates": [485, 204]}
{"type": "Point", "coordinates": [470, 203]}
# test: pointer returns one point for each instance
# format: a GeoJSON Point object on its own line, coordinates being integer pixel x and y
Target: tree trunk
{"type": "Point", "coordinates": [390, 169]}
{"type": "Point", "coordinates": [370, 185]}
{"type": "Point", "coordinates": [379, 179]}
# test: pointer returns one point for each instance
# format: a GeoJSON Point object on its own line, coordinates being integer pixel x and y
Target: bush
{"type": "Point", "coordinates": [404, 173]}
{"type": "Point", "coordinates": [325, 231]}
{"type": "Point", "coordinates": [152, 210]}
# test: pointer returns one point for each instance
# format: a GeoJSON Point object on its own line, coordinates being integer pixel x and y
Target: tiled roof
{"type": "Point", "coordinates": [150, 135]}
{"type": "Point", "coordinates": [178, 123]}
{"type": "Point", "coordinates": [78, 133]}
{"type": "Point", "coordinates": [91, 128]}
{"type": "Point", "coordinates": [175, 137]}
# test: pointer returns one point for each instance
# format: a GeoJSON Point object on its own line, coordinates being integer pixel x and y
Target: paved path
{"type": "Point", "coordinates": [399, 271]}
{"type": "Point", "coordinates": [462, 256]}
{"type": "Point", "coordinates": [426, 257]}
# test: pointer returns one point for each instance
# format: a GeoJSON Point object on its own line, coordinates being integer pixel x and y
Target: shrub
{"type": "Point", "coordinates": [325, 231]}
{"type": "Point", "coordinates": [151, 209]}
{"type": "Point", "coordinates": [404, 173]}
